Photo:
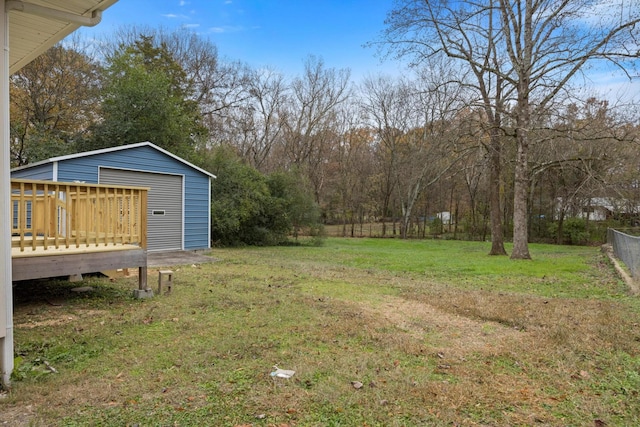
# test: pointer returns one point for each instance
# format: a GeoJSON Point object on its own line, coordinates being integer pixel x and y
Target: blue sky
{"type": "Point", "coordinates": [277, 33]}
{"type": "Point", "coordinates": [282, 33]}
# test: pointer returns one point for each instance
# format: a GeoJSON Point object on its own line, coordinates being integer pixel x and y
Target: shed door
{"type": "Point", "coordinates": [164, 204]}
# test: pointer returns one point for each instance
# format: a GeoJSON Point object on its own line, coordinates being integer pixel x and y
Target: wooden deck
{"type": "Point", "coordinates": [60, 229]}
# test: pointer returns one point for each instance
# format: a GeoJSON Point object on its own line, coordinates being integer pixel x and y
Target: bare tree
{"type": "Point", "coordinates": [474, 170]}
{"type": "Point", "coordinates": [310, 115]}
{"type": "Point", "coordinates": [267, 96]}
{"type": "Point", "coordinates": [425, 31]}
{"type": "Point", "coordinates": [351, 170]}
{"type": "Point", "coordinates": [53, 102]}
{"type": "Point", "coordinates": [217, 85]}
{"type": "Point", "coordinates": [531, 49]}
{"type": "Point", "coordinates": [432, 143]}
{"type": "Point", "coordinates": [413, 121]}
{"type": "Point", "coordinates": [387, 107]}
{"type": "Point", "coordinates": [548, 43]}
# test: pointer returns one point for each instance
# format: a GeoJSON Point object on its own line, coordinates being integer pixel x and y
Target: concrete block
{"type": "Point", "coordinates": [165, 278]}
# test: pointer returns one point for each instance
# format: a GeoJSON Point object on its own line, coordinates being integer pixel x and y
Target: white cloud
{"type": "Point", "coordinates": [225, 29]}
{"type": "Point", "coordinates": [606, 12]}
{"type": "Point", "coordinates": [174, 16]}
{"type": "Point", "coordinates": [611, 86]}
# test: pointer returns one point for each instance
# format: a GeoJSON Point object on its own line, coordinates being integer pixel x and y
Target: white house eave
{"type": "Point", "coordinates": [53, 19]}
{"type": "Point", "coordinates": [53, 13]}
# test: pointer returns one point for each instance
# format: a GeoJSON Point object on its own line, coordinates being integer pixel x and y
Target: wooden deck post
{"type": "Point", "coordinates": [142, 278]}
{"type": "Point", "coordinates": [142, 271]}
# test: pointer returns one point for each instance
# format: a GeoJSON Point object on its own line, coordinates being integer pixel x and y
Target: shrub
{"type": "Point", "coordinates": [250, 208]}
{"type": "Point", "coordinates": [574, 231]}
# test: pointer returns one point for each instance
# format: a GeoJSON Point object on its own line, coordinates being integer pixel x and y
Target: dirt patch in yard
{"type": "Point", "coordinates": [462, 335]}
{"type": "Point", "coordinates": [25, 319]}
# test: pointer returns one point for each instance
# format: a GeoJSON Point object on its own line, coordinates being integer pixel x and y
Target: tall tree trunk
{"type": "Point", "coordinates": [497, 235]}
{"type": "Point", "coordinates": [521, 176]}
{"type": "Point", "coordinates": [520, 217]}
{"type": "Point", "coordinates": [407, 209]}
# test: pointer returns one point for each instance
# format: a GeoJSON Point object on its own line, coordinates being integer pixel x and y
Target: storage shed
{"type": "Point", "coordinates": [179, 199]}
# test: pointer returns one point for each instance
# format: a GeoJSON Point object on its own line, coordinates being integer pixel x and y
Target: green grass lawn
{"type": "Point", "coordinates": [429, 332]}
{"type": "Point", "coordinates": [569, 271]}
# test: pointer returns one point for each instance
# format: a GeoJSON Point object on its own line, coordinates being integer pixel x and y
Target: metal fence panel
{"type": "Point", "coordinates": [626, 248]}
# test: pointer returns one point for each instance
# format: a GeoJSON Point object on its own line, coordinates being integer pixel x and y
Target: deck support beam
{"type": "Point", "coordinates": [37, 267]}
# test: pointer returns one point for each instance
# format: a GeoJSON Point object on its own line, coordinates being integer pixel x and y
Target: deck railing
{"type": "Point", "coordinates": [47, 214]}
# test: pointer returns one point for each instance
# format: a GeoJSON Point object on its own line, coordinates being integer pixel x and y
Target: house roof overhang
{"type": "Point", "coordinates": [36, 25]}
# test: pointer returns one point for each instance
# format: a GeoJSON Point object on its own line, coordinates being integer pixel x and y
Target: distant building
{"type": "Point", "coordinates": [444, 216]}
{"type": "Point", "coordinates": [597, 208]}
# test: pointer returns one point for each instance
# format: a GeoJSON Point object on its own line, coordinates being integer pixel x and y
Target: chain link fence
{"type": "Point", "coordinates": [626, 248]}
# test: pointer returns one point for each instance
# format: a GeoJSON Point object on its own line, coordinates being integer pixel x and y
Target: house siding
{"type": "Point", "coordinates": [40, 172]}
{"type": "Point", "coordinates": [146, 158]}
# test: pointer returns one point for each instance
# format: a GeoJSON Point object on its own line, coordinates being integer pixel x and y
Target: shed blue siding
{"type": "Point", "coordinates": [144, 158]}
{"type": "Point", "coordinates": [42, 172]}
